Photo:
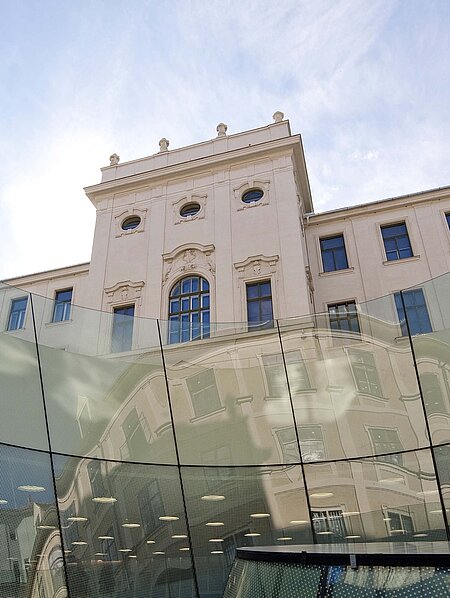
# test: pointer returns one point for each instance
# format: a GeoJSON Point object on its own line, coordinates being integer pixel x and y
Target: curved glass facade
{"type": "Point", "coordinates": [137, 472]}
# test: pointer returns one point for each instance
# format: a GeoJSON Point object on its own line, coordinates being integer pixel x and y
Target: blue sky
{"type": "Point", "coordinates": [366, 82]}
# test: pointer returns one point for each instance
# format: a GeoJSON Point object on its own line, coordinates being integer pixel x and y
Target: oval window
{"type": "Point", "coordinates": [131, 222]}
{"type": "Point", "coordinates": [190, 209]}
{"type": "Point", "coordinates": [252, 196]}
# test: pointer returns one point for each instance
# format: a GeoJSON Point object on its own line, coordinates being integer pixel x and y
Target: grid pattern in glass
{"type": "Point", "coordinates": [189, 310]}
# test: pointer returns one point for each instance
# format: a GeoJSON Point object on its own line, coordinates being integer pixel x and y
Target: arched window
{"type": "Point", "coordinates": [189, 310]}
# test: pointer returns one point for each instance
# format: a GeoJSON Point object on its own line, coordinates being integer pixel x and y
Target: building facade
{"type": "Point", "coordinates": [229, 369]}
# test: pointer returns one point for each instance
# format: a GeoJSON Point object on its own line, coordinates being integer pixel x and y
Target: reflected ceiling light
{"type": "Point", "coordinates": [321, 495]}
{"type": "Point", "coordinates": [214, 523]}
{"type": "Point", "coordinates": [106, 537]}
{"type": "Point", "coordinates": [260, 515]}
{"type": "Point", "coordinates": [26, 488]}
{"type": "Point", "coordinates": [11, 558]}
{"type": "Point", "coordinates": [298, 521]}
{"type": "Point", "coordinates": [388, 518]}
{"type": "Point", "coordinates": [436, 512]}
{"type": "Point", "coordinates": [179, 536]}
{"type": "Point", "coordinates": [159, 552]}
{"type": "Point", "coordinates": [76, 518]}
{"type": "Point", "coordinates": [252, 535]}
{"type": "Point", "coordinates": [185, 548]}
{"type": "Point", "coordinates": [104, 500]}
{"type": "Point", "coordinates": [352, 537]}
{"type": "Point", "coordinates": [216, 551]}
{"type": "Point", "coordinates": [124, 549]}
{"type": "Point", "coordinates": [131, 525]}
{"type": "Point", "coordinates": [284, 538]}
{"type": "Point", "coordinates": [324, 533]}
{"type": "Point", "coordinates": [168, 518]}
{"type": "Point", "coordinates": [213, 497]}
{"type": "Point", "coordinates": [100, 554]}
{"type": "Point", "coordinates": [46, 526]}
{"type": "Point", "coordinates": [67, 551]}
{"type": "Point", "coordinates": [216, 540]}
{"type": "Point", "coordinates": [350, 513]}
{"type": "Point", "coordinates": [79, 543]}
{"type": "Point", "coordinates": [398, 531]}
{"type": "Point", "coordinates": [420, 535]}
{"type": "Point", "coordinates": [3, 501]}
{"type": "Point", "coordinates": [133, 556]}
{"type": "Point", "coordinates": [151, 542]}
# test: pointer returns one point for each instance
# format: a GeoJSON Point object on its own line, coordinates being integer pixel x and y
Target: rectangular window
{"type": "Point", "coordinates": [334, 256]}
{"type": "Point", "coordinates": [62, 307]}
{"type": "Point", "coordinates": [122, 330]}
{"type": "Point", "coordinates": [343, 316]}
{"type": "Point", "coordinates": [396, 241]}
{"type": "Point", "coordinates": [399, 523]}
{"type": "Point", "coordinates": [276, 375]}
{"type": "Point", "coordinates": [137, 434]}
{"type": "Point", "coordinates": [311, 444]}
{"type": "Point", "coordinates": [204, 394]}
{"type": "Point", "coordinates": [386, 441]}
{"type": "Point", "coordinates": [17, 313]}
{"type": "Point", "coordinates": [365, 373]}
{"type": "Point", "coordinates": [96, 479]}
{"type": "Point", "coordinates": [259, 305]}
{"type": "Point", "coordinates": [151, 506]}
{"type": "Point", "coordinates": [432, 394]}
{"type": "Point", "coordinates": [329, 522]}
{"type": "Point", "coordinates": [416, 312]}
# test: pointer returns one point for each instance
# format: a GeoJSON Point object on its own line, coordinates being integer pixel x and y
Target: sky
{"type": "Point", "coordinates": [366, 83]}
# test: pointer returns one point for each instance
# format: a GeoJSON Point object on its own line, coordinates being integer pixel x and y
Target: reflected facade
{"type": "Point", "coordinates": [139, 473]}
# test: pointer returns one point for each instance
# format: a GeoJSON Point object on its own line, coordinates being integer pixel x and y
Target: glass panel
{"type": "Point", "coordinates": [22, 419]}
{"type": "Point", "coordinates": [221, 398]}
{"type": "Point", "coordinates": [132, 541]}
{"type": "Point", "coordinates": [92, 395]}
{"type": "Point", "coordinates": [369, 500]}
{"type": "Point", "coordinates": [356, 384]}
{"type": "Point", "coordinates": [232, 507]}
{"type": "Point", "coordinates": [430, 326]}
{"type": "Point", "coordinates": [31, 562]}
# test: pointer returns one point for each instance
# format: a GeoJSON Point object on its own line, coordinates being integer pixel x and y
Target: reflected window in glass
{"type": "Point", "coordinates": [334, 256]}
{"type": "Point", "coordinates": [399, 523]}
{"type": "Point", "coordinates": [189, 310]}
{"type": "Point", "coordinates": [137, 434]}
{"type": "Point", "coordinates": [259, 305]}
{"type": "Point", "coordinates": [204, 393]}
{"type": "Point", "coordinates": [386, 441]}
{"type": "Point", "coordinates": [122, 329]}
{"type": "Point", "coordinates": [416, 312]}
{"type": "Point", "coordinates": [329, 520]}
{"type": "Point", "coordinates": [276, 374]}
{"type": "Point", "coordinates": [17, 313]}
{"type": "Point", "coordinates": [432, 394]}
{"type": "Point", "coordinates": [96, 479]}
{"type": "Point", "coordinates": [365, 373]}
{"type": "Point", "coordinates": [62, 306]}
{"type": "Point", "coordinates": [344, 317]}
{"type": "Point", "coordinates": [151, 506]}
{"type": "Point", "coordinates": [396, 242]}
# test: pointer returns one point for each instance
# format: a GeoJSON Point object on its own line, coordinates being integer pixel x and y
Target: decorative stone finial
{"type": "Point", "coordinates": [278, 116]}
{"type": "Point", "coordinates": [164, 145]}
{"type": "Point", "coordinates": [114, 159]}
{"type": "Point", "coordinates": [221, 129]}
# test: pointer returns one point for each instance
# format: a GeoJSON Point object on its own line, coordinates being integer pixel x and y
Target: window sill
{"type": "Point", "coordinates": [413, 258]}
{"type": "Point", "coordinates": [200, 418]}
{"type": "Point", "coordinates": [51, 324]}
{"type": "Point", "coordinates": [297, 393]}
{"type": "Point", "coordinates": [332, 272]}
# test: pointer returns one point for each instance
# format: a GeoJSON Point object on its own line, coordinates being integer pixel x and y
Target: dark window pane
{"type": "Point", "coordinates": [334, 256]}
{"type": "Point", "coordinates": [190, 306]}
{"type": "Point", "coordinates": [62, 307]}
{"type": "Point", "coordinates": [416, 312]}
{"type": "Point", "coordinates": [396, 242]}
{"type": "Point", "coordinates": [122, 333]}
{"type": "Point", "coordinates": [17, 314]}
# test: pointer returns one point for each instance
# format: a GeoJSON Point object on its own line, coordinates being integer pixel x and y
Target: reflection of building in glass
{"type": "Point", "coordinates": [221, 374]}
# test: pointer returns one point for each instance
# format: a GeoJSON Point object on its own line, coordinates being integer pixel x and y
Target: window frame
{"type": "Point", "coordinates": [261, 324]}
{"type": "Point", "coordinates": [396, 458]}
{"type": "Point", "coordinates": [115, 309]}
{"type": "Point", "coordinates": [400, 308]}
{"type": "Point", "coordinates": [192, 394]}
{"type": "Point", "coordinates": [321, 252]}
{"type": "Point", "coordinates": [339, 303]}
{"type": "Point", "coordinates": [278, 363]}
{"type": "Point", "coordinates": [386, 225]}
{"type": "Point", "coordinates": [21, 318]}
{"type": "Point", "coordinates": [203, 327]}
{"type": "Point", "coordinates": [66, 317]}
{"type": "Point", "coordinates": [371, 367]}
